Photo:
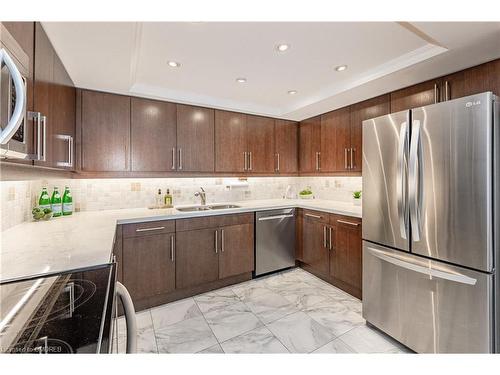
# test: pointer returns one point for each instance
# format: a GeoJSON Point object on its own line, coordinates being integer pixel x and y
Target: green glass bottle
{"type": "Point", "coordinates": [56, 202]}
{"type": "Point", "coordinates": [44, 201]}
{"type": "Point", "coordinates": [67, 202]}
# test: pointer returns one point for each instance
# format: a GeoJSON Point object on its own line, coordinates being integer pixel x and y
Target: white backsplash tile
{"type": "Point", "coordinates": [18, 197]}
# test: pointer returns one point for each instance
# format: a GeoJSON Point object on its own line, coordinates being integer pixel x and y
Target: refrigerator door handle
{"type": "Point", "coordinates": [402, 180]}
{"type": "Point", "coordinates": [416, 184]}
{"type": "Point", "coordinates": [431, 272]}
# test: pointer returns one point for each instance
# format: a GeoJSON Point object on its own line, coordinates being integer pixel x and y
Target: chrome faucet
{"type": "Point", "coordinates": [202, 195]}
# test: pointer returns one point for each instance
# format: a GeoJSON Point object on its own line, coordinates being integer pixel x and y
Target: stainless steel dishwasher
{"type": "Point", "coordinates": [274, 240]}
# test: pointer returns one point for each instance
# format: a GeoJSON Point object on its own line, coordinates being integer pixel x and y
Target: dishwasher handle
{"type": "Point", "coordinates": [275, 217]}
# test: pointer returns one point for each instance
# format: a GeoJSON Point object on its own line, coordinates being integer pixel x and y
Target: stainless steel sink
{"type": "Point", "coordinates": [223, 206]}
{"type": "Point", "coordinates": [206, 208]}
{"type": "Point", "coordinates": [193, 208]}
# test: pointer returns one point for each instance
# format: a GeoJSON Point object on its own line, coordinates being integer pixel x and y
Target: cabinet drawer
{"type": "Point", "coordinates": [214, 221]}
{"type": "Point", "coordinates": [148, 228]}
{"type": "Point", "coordinates": [322, 217]}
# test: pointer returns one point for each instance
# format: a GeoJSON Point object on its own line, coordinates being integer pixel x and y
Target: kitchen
{"type": "Point", "coordinates": [157, 200]}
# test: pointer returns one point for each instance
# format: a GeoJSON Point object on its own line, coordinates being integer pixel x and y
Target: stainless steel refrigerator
{"type": "Point", "coordinates": [431, 222]}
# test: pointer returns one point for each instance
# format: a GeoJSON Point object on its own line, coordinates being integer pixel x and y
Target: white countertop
{"type": "Point", "coordinates": [85, 239]}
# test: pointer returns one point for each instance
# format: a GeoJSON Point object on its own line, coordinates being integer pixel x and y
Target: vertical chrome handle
{"type": "Point", "coordinates": [173, 158]}
{"type": "Point", "coordinates": [317, 166]}
{"type": "Point", "coordinates": [415, 181]}
{"type": "Point", "coordinates": [446, 90]}
{"type": "Point", "coordinates": [278, 162]}
{"type": "Point", "coordinates": [70, 150]}
{"type": "Point", "coordinates": [216, 241]}
{"type": "Point", "coordinates": [222, 240]}
{"type": "Point", "coordinates": [44, 145]}
{"type": "Point", "coordinates": [250, 161]}
{"type": "Point", "coordinates": [330, 246]}
{"type": "Point", "coordinates": [319, 161]}
{"type": "Point", "coordinates": [436, 93]}
{"type": "Point", "coordinates": [401, 179]}
{"type": "Point", "coordinates": [16, 119]}
{"type": "Point", "coordinates": [345, 159]}
{"type": "Point", "coordinates": [245, 161]}
{"type": "Point", "coordinates": [172, 248]}
{"type": "Point", "coordinates": [352, 157]}
{"type": "Point", "coordinates": [324, 237]}
{"type": "Point", "coordinates": [180, 158]}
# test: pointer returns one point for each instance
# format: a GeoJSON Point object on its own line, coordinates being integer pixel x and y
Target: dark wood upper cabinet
{"type": "Point", "coordinates": [360, 112]}
{"type": "Point", "coordinates": [310, 144]}
{"type": "Point", "coordinates": [105, 132]}
{"type": "Point", "coordinates": [197, 258]}
{"type": "Point", "coordinates": [335, 140]}
{"type": "Point", "coordinates": [195, 138]}
{"type": "Point", "coordinates": [286, 146]}
{"type": "Point", "coordinates": [153, 136]}
{"type": "Point", "coordinates": [260, 144]}
{"type": "Point", "coordinates": [149, 265]}
{"type": "Point", "coordinates": [230, 142]}
{"type": "Point", "coordinates": [424, 93]}
{"type": "Point", "coordinates": [236, 250]}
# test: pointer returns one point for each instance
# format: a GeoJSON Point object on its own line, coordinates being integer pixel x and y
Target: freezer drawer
{"type": "Point", "coordinates": [429, 306]}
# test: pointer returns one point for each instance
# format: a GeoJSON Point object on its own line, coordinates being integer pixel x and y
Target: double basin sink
{"type": "Point", "coordinates": [206, 208]}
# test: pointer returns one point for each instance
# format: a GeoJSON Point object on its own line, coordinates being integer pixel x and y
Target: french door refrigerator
{"type": "Point", "coordinates": [431, 215]}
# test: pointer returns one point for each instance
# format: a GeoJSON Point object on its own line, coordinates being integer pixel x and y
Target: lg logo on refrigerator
{"type": "Point", "coordinates": [470, 104]}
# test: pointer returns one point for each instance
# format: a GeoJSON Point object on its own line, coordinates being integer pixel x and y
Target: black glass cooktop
{"type": "Point", "coordinates": [65, 313]}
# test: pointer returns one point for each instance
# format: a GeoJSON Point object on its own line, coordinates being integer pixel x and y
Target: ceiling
{"type": "Point", "coordinates": [132, 58]}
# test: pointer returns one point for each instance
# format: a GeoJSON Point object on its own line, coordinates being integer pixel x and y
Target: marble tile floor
{"type": "Point", "coordinates": [289, 312]}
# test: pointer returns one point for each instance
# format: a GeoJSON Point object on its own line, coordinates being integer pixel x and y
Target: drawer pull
{"type": "Point", "coordinates": [324, 236]}
{"type": "Point", "coordinates": [348, 223]}
{"type": "Point", "coordinates": [149, 229]}
{"type": "Point", "coordinates": [314, 216]}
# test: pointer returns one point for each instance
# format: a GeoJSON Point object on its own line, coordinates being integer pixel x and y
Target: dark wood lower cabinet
{"type": "Point", "coordinates": [197, 259]}
{"type": "Point", "coordinates": [315, 251]}
{"type": "Point", "coordinates": [149, 265]}
{"type": "Point", "coordinates": [236, 250]}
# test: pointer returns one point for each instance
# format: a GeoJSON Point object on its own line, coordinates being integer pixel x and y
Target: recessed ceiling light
{"type": "Point", "coordinates": [282, 47]}
{"type": "Point", "coordinates": [174, 64]}
{"type": "Point", "coordinates": [340, 68]}
{"type": "Point", "coordinates": [292, 92]}
{"type": "Point", "coordinates": [241, 80]}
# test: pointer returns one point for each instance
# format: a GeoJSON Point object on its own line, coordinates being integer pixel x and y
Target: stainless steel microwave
{"type": "Point", "coordinates": [14, 64]}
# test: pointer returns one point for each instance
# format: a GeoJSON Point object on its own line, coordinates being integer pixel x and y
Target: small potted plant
{"type": "Point", "coordinates": [306, 193]}
{"type": "Point", "coordinates": [356, 195]}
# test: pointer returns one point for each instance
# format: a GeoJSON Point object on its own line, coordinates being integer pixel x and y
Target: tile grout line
{"type": "Point", "coordinates": [211, 330]}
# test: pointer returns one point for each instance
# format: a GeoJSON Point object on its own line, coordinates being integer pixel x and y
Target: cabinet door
{"type": "Point", "coordinates": [236, 250]}
{"type": "Point", "coordinates": [63, 114]}
{"type": "Point", "coordinates": [43, 80]}
{"type": "Point", "coordinates": [148, 265]}
{"type": "Point", "coordinates": [345, 257]}
{"type": "Point", "coordinates": [260, 144]}
{"type": "Point", "coordinates": [309, 144]}
{"type": "Point", "coordinates": [360, 112]}
{"type": "Point", "coordinates": [153, 135]}
{"type": "Point", "coordinates": [424, 93]}
{"type": "Point", "coordinates": [230, 141]}
{"type": "Point", "coordinates": [195, 138]}
{"type": "Point", "coordinates": [197, 258]}
{"type": "Point", "coordinates": [105, 122]}
{"type": "Point", "coordinates": [315, 244]}
{"type": "Point", "coordinates": [335, 140]}
{"type": "Point", "coordinates": [286, 146]}
{"type": "Point", "coordinates": [481, 78]}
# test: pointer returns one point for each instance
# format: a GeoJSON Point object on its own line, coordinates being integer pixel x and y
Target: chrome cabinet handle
{"type": "Point", "coordinates": [313, 216]}
{"type": "Point", "coordinates": [71, 150]}
{"type": "Point", "coordinates": [149, 229]}
{"type": "Point", "coordinates": [436, 93]}
{"type": "Point", "coordinates": [317, 161]}
{"type": "Point", "coordinates": [44, 145]}
{"type": "Point", "coordinates": [172, 248]}
{"type": "Point", "coordinates": [278, 161]}
{"type": "Point", "coordinates": [222, 240]}
{"type": "Point", "coordinates": [345, 159]}
{"type": "Point", "coordinates": [245, 168]}
{"type": "Point", "coordinates": [330, 234]}
{"type": "Point", "coordinates": [16, 119]}
{"type": "Point", "coordinates": [250, 161]}
{"type": "Point", "coordinates": [324, 237]}
{"type": "Point", "coordinates": [173, 157]}
{"type": "Point", "coordinates": [446, 90]}
{"type": "Point", "coordinates": [180, 158]}
{"type": "Point", "coordinates": [348, 223]}
{"type": "Point", "coordinates": [352, 157]}
{"type": "Point", "coordinates": [402, 180]}
{"type": "Point", "coordinates": [216, 241]}
{"type": "Point", "coordinates": [416, 191]}
{"type": "Point", "coordinates": [437, 272]}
